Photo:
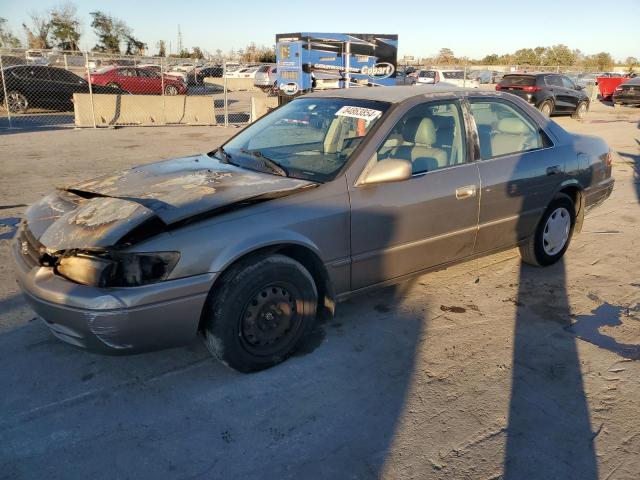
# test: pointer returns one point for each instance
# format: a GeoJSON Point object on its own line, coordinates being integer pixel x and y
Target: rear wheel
{"type": "Point", "coordinates": [113, 85]}
{"type": "Point", "coordinates": [546, 108]}
{"type": "Point", "coordinates": [581, 111]}
{"type": "Point", "coordinates": [17, 102]}
{"type": "Point", "coordinates": [260, 312]}
{"type": "Point", "coordinates": [553, 233]}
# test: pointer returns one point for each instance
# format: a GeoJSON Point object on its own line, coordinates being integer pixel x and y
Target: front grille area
{"type": "Point", "coordinates": [28, 247]}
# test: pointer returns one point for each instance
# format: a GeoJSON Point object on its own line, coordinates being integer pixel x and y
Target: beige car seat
{"type": "Point", "coordinates": [512, 135]}
{"type": "Point", "coordinates": [419, 134]}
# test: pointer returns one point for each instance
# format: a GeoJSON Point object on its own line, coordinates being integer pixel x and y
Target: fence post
{"type": "Point", "coordinates": [224, 86]}
{"type": "Point", "coordinates": [164, 113]}
{"type": "Point", "coordinates": [464, 82]}
{"type": "Point", "coordinates": [93, 110]}
{"type": "Point", "coordinates": [557, 68]}
{"type": "Point", "coordinates": [66, 65]}
{"type": "Point", "coordinates": [4, 89]}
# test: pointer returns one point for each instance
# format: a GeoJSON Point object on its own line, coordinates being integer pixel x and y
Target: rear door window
{"type": "Point", "coordinates": [503, 130]}
{"type": "Point", "coordinates": [554, 81]}
{"type": "Point", "coordinates": [568, 83]}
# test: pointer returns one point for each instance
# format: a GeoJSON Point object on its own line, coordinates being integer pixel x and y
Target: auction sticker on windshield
{"type": "Point", "coordinates": [358, 112]}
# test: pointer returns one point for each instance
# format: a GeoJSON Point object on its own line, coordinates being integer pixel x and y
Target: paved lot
{"type": "Point", "coordinates": [486, 370]}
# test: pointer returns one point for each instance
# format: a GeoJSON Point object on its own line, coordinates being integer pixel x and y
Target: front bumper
{"type": "Point", "coordinates": [113, 320]}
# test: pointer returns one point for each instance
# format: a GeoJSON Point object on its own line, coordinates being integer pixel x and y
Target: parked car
{"type": "Point", "coordinates": [40, 86]}
{"type": "Point", "coordinates": [265, 77]}
{"type": "Point", "coordinates": [247, 72]}
{"type": "Point", "coordinates": [11, 60]}
{"type": "Point", "coordinates": [485, 76]}
{"type": "Point", "coordinates": [36, 57]}
{"type": "Point", "coordinates": [197, 76]}
{"type": "Point", "coordinates": [627, 93]}
{"type": "Point", "coordinates": [138, 80]}
{"type": "Point", "coordinates": [452, 77]}
{"type": "Point", "coordinates": [551, 93]}
{"type": "Point", "coordinates": [332, 194]}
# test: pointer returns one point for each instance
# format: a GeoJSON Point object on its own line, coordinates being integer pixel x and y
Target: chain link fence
{"type": "Point", "coordinates": [76, 89]}
{"type": "Point", "coordinates": [56, 89]}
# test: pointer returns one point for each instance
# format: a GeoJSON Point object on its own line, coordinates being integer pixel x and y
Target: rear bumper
{"type": "Point", "coordinates": [628, 99]}
{"type": "Point", "coordinates": [114, 320]}
{"type": "Point", "coordinates": [597, 194]}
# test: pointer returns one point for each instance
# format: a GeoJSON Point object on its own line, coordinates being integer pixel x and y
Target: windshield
{"type": "Point", "coordinates": [524, 80]}
{"type": "Point", "coordinates": [308, 138]}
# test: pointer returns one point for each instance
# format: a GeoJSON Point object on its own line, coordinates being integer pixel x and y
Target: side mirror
{"type": "Point", "coordinates": [388, 170]}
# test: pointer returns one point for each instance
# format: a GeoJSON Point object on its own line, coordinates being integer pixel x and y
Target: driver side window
{"type": "Point", "coordinates": [430, 136]}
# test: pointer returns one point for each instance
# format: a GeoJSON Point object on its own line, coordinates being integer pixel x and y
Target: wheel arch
{"type": "Point", "coordinates": [574, 190]}
{"type": "Point", "coordinates": [307, 255]}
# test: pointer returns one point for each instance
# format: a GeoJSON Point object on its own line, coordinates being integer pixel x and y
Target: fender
{"type": "Point", "coordinates": [579, 200]}
{"type": "Point", "coordinates": [280, 237]}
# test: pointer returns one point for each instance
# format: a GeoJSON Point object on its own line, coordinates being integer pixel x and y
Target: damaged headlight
{"type": "Point", "coordinates": [116, 269]}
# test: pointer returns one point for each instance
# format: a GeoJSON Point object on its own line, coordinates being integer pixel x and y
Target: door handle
{"type": "Point", "coordinates": [553, 170]}
{"type": "Point", "coordinates": [466, 192]}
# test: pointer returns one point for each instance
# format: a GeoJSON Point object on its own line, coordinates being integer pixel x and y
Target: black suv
{"type": "Point", "coordinates": [551, 93]}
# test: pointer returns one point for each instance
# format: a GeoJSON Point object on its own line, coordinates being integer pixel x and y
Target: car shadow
{"type": "Point", "coordinates": [66, 413]}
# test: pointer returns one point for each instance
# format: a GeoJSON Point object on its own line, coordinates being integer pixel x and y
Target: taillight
{"type": "Point", "coordinates": [618, 89]}
{"type": "Point", "coordinates": [531, 89]}
{"type": "Point", "coordinates": [498, 87]}
{"type": "Point", "coordinates": [609, 158]}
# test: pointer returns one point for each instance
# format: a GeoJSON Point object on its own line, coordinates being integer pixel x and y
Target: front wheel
{"type": "Point", "coordinates": [581, 111]}
{"type": "Point", "coordinates": [260, 312]}
{"type": "Point", "coordinates": [553, 233]}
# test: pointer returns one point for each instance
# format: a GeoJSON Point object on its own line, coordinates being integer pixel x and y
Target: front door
{"type": "Point", "coordinates": [430, 219]}
{"type": "Point", "coordinates": [518, 171]}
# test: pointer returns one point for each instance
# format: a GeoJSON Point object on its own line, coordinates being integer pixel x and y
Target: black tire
{"type": "Point", "coordinates": [260, 312]}
{"type": "Point", "coordinates": [546, 108]}
{"type": "Point", "coordinates": [581, 111]}
{"type": "Point", "coordinates": [533, 250]}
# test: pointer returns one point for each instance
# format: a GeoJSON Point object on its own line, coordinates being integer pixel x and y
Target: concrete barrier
{"type": "Point", "coordinates": [233, 84]}
{"type": "Point", "coordinates": [143, 110]}
{"type": "Point", "coordinates": [261, 106]}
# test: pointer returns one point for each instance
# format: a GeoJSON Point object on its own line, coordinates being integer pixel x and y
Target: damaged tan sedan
{"type": "Point", "coordinates": [329, 195]}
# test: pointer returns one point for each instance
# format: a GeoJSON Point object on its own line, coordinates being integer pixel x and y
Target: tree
{"type": "Point", "coordinates": [600, 61]}
{"type": "Point", "coordinates": [219, 55]}
{"type": "Point", "coordinates": [134, 46]}
{"type": "Point", "coordinates": [108, 30]}
{"type": "Point", "coordinates": [526, 56]}
{"type": "Point", "coordinates": [631, 62]}
{"type": "Point", "coordinates": [445, 56]}
{"type": "Point", "coordinates": [490, 59]}
{"type": "Point", "coordinates": [65, 27]}
{"type": "Point", "coordinates": [38, 31]}
{"type": "Point", "coordinates": [162, 48]}
{"type": "Point", "coordinates": [7, 39]}
{"type": "Point", "coordinates": [197, 53]}
{"type": "Point", "coordinates": [267, 55]}
{"type": "Point", "coordinates": [559, 55]}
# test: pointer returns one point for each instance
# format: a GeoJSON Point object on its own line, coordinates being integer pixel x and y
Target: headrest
{"type": "Point", "coordinates": [513, 126]}
{"type": "Point", "coordinates": [419, 130]}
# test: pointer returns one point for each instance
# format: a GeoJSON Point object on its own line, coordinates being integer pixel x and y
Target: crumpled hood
{"type": "Point", "coordinates": [100, 212]}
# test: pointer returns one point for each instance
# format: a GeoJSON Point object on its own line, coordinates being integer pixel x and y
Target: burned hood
{"type": "Point", "coordinates": [102, 211]}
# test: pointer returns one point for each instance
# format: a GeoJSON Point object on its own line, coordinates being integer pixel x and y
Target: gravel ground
{"type": "Point", "coordinates": [486, 370]}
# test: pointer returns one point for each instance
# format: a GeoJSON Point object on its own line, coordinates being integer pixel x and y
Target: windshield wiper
{"type": "Point", "coordinates": [274, 166]}
{"type": "Point", "coordinates": [224, 156]}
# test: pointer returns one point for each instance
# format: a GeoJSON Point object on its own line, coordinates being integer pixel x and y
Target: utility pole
{"type": "Point", "coordinates": [179, 40]}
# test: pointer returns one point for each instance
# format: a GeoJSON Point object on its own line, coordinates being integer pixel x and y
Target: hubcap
{"type": "Point", "coordinates": [582, 110]}
{"type": "Point", "coordinates": [556, 231]}
{"type": "Point", "coordinates": [546, 109]}
{"type": "Point", "coordinates": [16, 102]}
{"type": "Point", "coordinates": [270, 320]}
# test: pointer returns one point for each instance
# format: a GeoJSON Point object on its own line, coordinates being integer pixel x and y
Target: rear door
{"type": "Point", "coordinates": [519, 172]}
{"type": "Point", "coordinates": [403, 227]}
{"type": "Point", "coordinates": [127, 78]}
{"type": "Point", "coordinates": [572, 94]}
{"type": "Point", "coordinates": [562, 101]}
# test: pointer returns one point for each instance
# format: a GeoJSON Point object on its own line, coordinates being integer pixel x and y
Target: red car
{"type": "Point", "coordinates": [140, 80]}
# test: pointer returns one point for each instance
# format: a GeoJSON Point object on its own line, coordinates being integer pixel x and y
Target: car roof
{"type": "Point", "coordinates": [387, 94]}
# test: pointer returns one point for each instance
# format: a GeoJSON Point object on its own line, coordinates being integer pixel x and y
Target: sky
{"type": "Point", "coordinates": [470, 28]}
